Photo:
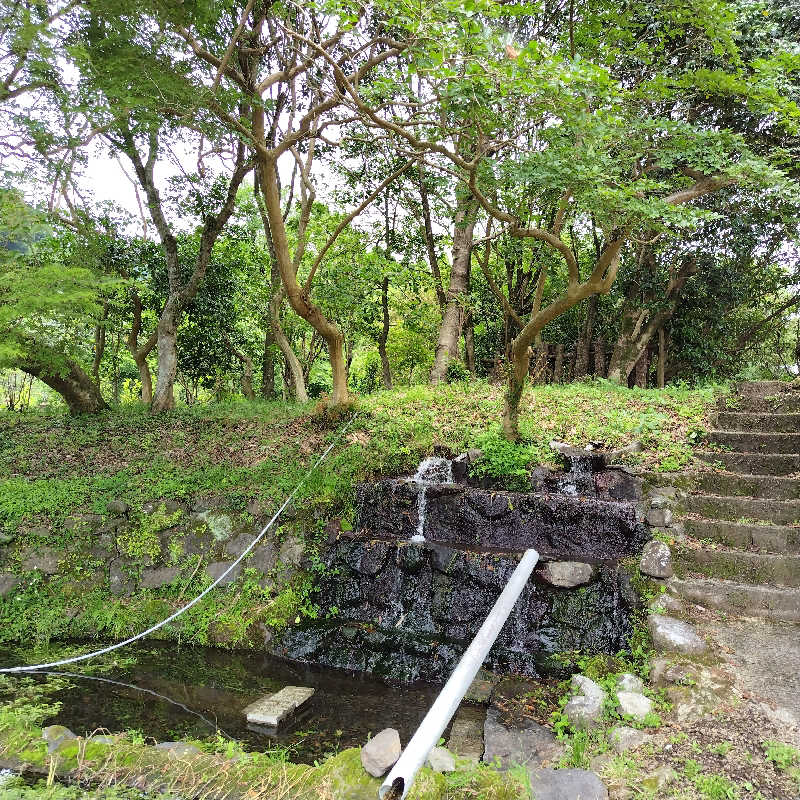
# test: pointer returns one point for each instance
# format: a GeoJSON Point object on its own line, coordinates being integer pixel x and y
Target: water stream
{"type": "Point", "coordinates": [431, 470]}
{"type": "Point", "coordinates": [171, 692]}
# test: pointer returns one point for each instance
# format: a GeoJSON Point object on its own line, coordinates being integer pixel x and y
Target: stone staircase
{"type": "Point", "coordinates": [741, 548]}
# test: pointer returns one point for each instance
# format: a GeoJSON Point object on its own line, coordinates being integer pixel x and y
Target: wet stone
{"type": "Point", "coordinates": [269, 711]}
{"type": "Point", "coordinates": [567, 784]}
{"type": "Point", "coordinates": [532, 745]}
{"type": "Point", "coordinates": [672, 635]}
{"type": "Point", "coordinates": [466, 733]}
{"type": "Point", "coordinates": [381, 752]}
{"type": "Point", "coordinates": [567, 574]}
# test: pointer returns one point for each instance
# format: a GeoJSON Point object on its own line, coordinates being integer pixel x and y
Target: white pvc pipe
{"type": "Point", "coordinates": [430, 730]}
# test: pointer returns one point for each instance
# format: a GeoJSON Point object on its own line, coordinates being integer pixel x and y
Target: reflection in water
{"type": "Point", "coordinates": [175, 692]}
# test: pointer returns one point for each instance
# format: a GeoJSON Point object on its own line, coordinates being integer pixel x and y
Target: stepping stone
{"type": "Point", "coordinates": [270, 710]}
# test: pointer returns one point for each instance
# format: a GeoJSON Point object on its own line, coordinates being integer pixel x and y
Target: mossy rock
{"type": "Point", "coordinates": [348, 779]}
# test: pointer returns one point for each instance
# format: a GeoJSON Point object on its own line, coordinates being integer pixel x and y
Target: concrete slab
{"type": "Point", "coordinates": [269, 711]}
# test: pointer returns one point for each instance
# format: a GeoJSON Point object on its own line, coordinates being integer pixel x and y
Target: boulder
{"type": "Point", "coordinates": [656, 560]}
{"type": "Point", "coordinates": [440, 759]}
{"type": "Point", "coordinates": [623, 739]}
{"type": "Point", "coordinates": [156, 578]}
{"type": "Point", "coordinates": [119, 581]}
{"type": "Point", "coordinates": [292, 550]}
{"type": "Point", "coordinates": [533, 745]}
{"type": "Point", "coordinates": [57, 737]}
{"type": "Point", "coordinates": [567, 784]}
{"type": "Point", "coordinates": [8, 582]}
{"type": "Point", "coordinates": [46, 561]}
{"type": "Point", "coordinates": [633, 704]}
{"type": "Point", "coordinates": [380, 752]}
{"type": "Point", "coordinates": [659, 517]}
{"type": "Point", "coordinates": [584, 712]}
{"type": "Point", "coordinates": [566, 573]}
{"type": "Point", "coordinates": [666, 603]}
{"type": "Point", "coordinates": [119, 508]}
{"type": "Point", "coordinates": [628, 682]}
{"type": "Point", "coordinates": [673, 636]}
{"type": "Point", "coordinates": [585, 709]}
{"type": "Point", "coordinates": [217, 568]}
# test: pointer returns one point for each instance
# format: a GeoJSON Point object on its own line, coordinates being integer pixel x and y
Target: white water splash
{"type": "Point", "coordinates": [431, 470]}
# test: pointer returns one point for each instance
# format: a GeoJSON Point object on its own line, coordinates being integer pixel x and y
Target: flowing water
{"type": "Point", "coordinates": [431, 470]}
{"type": "Point", "coordinates": [169, 692]}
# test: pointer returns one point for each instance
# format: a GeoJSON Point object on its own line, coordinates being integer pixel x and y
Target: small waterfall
{"type": "Point", "coordinates": [431, 470]}
{"type": "Point", "coordinates": [578, 481]}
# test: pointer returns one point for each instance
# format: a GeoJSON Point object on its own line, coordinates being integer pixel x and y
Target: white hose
{"type": "Point", "coordinates": [205, 591]}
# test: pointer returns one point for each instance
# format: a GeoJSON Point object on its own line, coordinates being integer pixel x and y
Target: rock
{"type": "Point", "coordinates": [178, 749]}
{"type": "Point", "coordinates": [119, 508]}
{"type": "Point", "coordinates": [57, 737]}
{"type": "Point", "coordinates": [673, 636]}
{"type": "Point", "coordinates": [666, 603]}
{"type": "Point", "coordinates": [380, 752]}
{"type": "Point", "coordinates": [292, 550]}
{"type": "Point", "coordinates": [165, 506]}
{"type": "Point", "coordinates": [460, 468]}
{"type": "Point", "coordinates": [583, 685]}
{"type": "Point", "coordinates": [474, 454]}
{"type": "Point", "coordinates": [659, 778]}
{"type": "Point", "coordinates": [663, 499]}
{"type": "Point", "coordinates": [440, 759]}
{"type": "Point", "coordinates": [585, 709]}
{"type": "Point", "coordinates": [217, 568]}
{"type": "Point", "coordinates": [466, 734]}
{"type": "Point", "coordinates": [629, 683]}
{"type": "Point", "coordinates": [633, 704]}
{"type": "Point", "coordinates": [533, 745]}
{"type": "Point", "coordinates": [584, 712]}
{"type": "Point", "coordinates": [8, 582]}
{"type": "Point", "coordinates": [40, 532]}
{"type": "Point", "coordinates": [480, 690]}
{"type": "Point", "coordinates": [120, 583]}
{"type": "Point", "coordinates": [272, 709]}
{"type": "Point", "coordinates": [656, 560]}
{"type": "Point", "coordinates": [220, 526]}
{"type": "Point", "coordinates": [46, 561]}
{"type": "Point", "coordinates": [623, 739]}
{"type": "Point", "coordinates": [567, 573]}
{"type": "Point", "coordinates": [6, 538]}
{"type": "Point", "coordinates": [566, 784]}
{"type": "Point", "coordinates": [102, 739]}
{"type": "Point", "coordinates": [659, 517]}
{"type": "Point", "coordinates": [156, 578]}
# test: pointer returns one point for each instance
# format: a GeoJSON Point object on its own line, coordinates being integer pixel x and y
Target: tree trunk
{"type": "Point", "coordinates": [80, 393]}
{"type": "Point", "coordinates": [293, 365]}
{"type": "Point", "coordinates": [558, 367]}
{"type": "Point", "coordinates": [140, 354]}
{"type": "Point", "coordinates": [599, 358]}
{"type": "Point", "coordinates": [469, 343]}
{"type": "Point", "coordinates": [384, 337]}
{"type": "Point", "coordinates": [641, 369]}
{"type": "Point", "coordinates": [164, 395]}
{"type": "Point", "coordinates": [662, 356]}
{"type": "Point", "coordinates": [297, 297]}
{"type": "Point", "coordinates": [99, 343]}
{"type": "Point", "coordinates": [268, 368]}
{"type": "Point", "coordinates": [247, 370]}
{"type": "Point", "coordinates": [450, 330]}
{"type": "Point", "coordinates": [582, 346]}
{"type": "Point", "coordinates": [517, 373]}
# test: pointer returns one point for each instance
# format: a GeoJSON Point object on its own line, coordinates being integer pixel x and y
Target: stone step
{"type": "Point", "coordinates": [742, 509]}
{"type": "Point", "coordinates": [761, 388]}
{"type": "Point", "coordinates": [761, 422]}
{"type": "Point", "coordinates": [771, 602]}
{"type": "Point", "coordinates": [270, 710]}
{"type": "Point", "coordinates": [739, 565]}
{"type": "Point", "coordinates": [752, 463]}
{"type": "Point", "coordinates": [781, 403]}
{"type": "Point", "coordinates": [768, 487]}
{"type": "Point", "coordinates": [749, 442]}
{"type": "Point", "coordinates": [766, 538]}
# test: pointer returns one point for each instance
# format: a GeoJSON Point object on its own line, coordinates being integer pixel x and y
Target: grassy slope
{"type": "Point", "coordinates": [54, 465]}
